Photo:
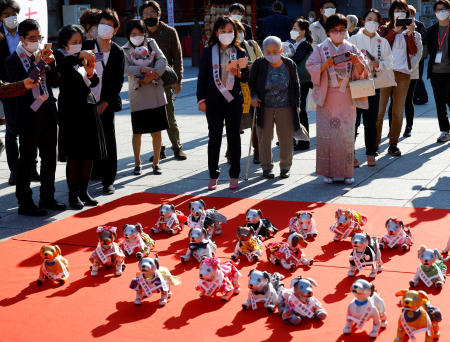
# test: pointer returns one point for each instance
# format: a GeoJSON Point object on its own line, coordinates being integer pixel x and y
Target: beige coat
{"type": "Point", "coordinates": [146, 96]}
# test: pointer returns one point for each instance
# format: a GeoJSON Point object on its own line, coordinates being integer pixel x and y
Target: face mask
{"type": "Point", "coordinates": [237, 17]}
{"type": "Point", "coordinates": [273, 59]}
{"type": "Point", "coordinates": [294, 34]}
{"type": "Point", "coordinates": [442, 15]}
{"type": "Point", "coordinates": [31, 46]}
{"type": "Point", "coordinates": [75, 48]}
{"type": "Point", "coordinates": [241, 37]}
{"type": "Point", "coordinates": [105, 31]}
{"type": "Point", "coordinates": [226, 38]}
{"type": "Point", "coordinates": [137, 40]}
{"type": "Point", "coordinates": [151, 22]}
{"type": "Point", "coordinates": [311, 19]}
{"type": "Point", "coordinates": [371, 26]}
{"type": "Point", "coordinates": [328, 12]}
{"type": "Point", "coordinates": [11, 22]}
{"type": "Point", "coordinates": [399, 15]}
{"type": "Point", "coordinates": [337, 38]}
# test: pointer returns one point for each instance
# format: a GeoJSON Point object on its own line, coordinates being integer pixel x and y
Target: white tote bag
{"type": "Point", "coordinates": [362, 88]}
{"type": "Point", "coordinates": [384, 79]}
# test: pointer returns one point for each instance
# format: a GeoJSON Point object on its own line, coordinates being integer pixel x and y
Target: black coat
{"type": "Point", "coordinates": [248, 32]}
{"type": "Point", "coordinates": [432, 38]}
{"type": "Point", "coordinates": [27, 119]}
{"type": "Point", "coordinates": [258, 76]}
{"type": "Point", "coordinates": [4, 53]}
{"type": "Point", "coordinates": [113, 76]}
{"type": "Point", "coordinates": [81, 132]}
{"type": "Point", "coordinates": [206, 87]}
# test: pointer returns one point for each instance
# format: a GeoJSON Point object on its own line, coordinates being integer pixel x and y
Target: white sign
{"type": "Point", "coordinates": [170, 15]}
{"type": "Point", "coordinates": [35, 9]}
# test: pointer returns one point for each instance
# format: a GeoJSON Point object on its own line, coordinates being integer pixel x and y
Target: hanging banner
{"type": "Point", "coordinates": [170, 16]}
{"type": "Point", "coordinates": [37, 10]}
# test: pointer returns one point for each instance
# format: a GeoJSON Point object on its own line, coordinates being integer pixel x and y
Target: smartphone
{"type": "Point", "coordinates": [338, 59]}
{"type": "Point", "coordinates": [369, 55]}
{"type": "Point", "coordinates": [99, 56]}
{"type": "Point", "coordinates": [403, 22]}
{"type": "Point", "coordinates": [48, 46]}
{"type": "Point", "coordinates": [37, 70]}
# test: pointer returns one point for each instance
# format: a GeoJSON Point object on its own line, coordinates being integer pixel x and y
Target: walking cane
{"type": "Point", "coordinates": [250, 145]}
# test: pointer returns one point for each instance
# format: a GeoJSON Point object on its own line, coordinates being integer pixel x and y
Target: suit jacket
{"type": "Point", "coordinates": [432, 38]}
{"type": "Point", "coordinates": [27, 119]}
{"type": "Point", "coordinates": [258, 76]}
{"type": "Point", "coordinates": [4, 53]}
{"type": "Point", "coordinates": [113, 76]}
{"type": "Point", "coordinates": [206, 87]}
{"type": "Point", "coordinates": [248, 32]}
{"type": "Point", "coordinates": [278, 25]}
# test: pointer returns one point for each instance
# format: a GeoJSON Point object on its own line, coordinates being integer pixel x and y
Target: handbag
{"type": "Point", "coordinates": [169, 77]}
{"type": "Point", "coordinates": [384, 79]}
{"type": "Point", "coordinates": [245, 89]}
{"type": "Point", "coordinates": [362, 88]}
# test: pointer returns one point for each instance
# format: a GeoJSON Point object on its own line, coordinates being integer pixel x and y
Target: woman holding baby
{"type": "Point", "coordinates": [144, 65]}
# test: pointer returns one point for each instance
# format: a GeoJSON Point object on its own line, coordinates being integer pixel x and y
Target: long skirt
{"type": "Point", "coordinates": [335, 135]}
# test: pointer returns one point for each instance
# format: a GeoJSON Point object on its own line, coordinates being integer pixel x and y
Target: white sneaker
{"type": "Point", "coordinates": [444, 137]}
{"type": "Point", "coordinates": [349, 180]}
{"type": "Point", "coordinates": [327, 180]}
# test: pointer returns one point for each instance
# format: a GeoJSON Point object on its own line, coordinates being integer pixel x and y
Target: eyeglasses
{"type": "Point", "coordinates": [338, 31]}
{"type": "Point", "coordinates": [35, 39]}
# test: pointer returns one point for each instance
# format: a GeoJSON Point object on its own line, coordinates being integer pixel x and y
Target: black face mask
{"type": "Point", "coordinates": [151, 22]}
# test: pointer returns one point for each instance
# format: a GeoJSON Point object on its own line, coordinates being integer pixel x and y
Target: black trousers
{"type": "Point", "coordinates": [216, 114]}
{"type": "Point", "coordinates": [304, 90]}
{"type": "Point", "coordinates": [106, 169]}
{"type": "Point", "coordinates": [369, 117]}
{"type": "Point", "coordinates": [441, 90]}
{"type": "Point", "coordinates": [43, 137]}
{"type": "Point", "coordinates": [420, 94]}
{"type": "Point", "coordinates": [409, 105]}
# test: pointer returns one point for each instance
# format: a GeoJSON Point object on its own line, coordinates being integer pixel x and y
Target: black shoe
{"type": "Point", "coordinates": [52, 205]}
{"type": "Point", "coordinates": [256, 160]}
{"type": "Point", "coordinates": [268, 174]}
{"type": "Point", "coordinates": [31, 210]}
{"type": "Point", "coordinates": [301, 145]}
{"type": "Point", "coordinates": [12, 179]}
{"type": "Point", "coordinates": [162, 154]}
{"type": "Point", "coordinates": [377, 152]}
{"type": "Point", "coordinates": [394, 151]}
{"type": "Point", "coordinates": [407, 132]}
{"type": "Point", "coordinates": [137, 170]}
{"type": "Point", "coordinates": [109, 189]}
{"type": "Point", "coordinates": [35, 177]}
{"type": "Point", "coordinates": [285, 174]}
{"type": "Point", "coordinates": [88, 200]}
{"type": "Point", "coordinates": [157, 170]}
{"type": "Point", "coordinates": [75, 203]}
{"type": "Point", "coordinates": [180, 155]}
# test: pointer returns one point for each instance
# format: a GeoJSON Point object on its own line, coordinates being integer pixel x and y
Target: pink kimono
{"type": "Point", "coordinates": [336, 110]}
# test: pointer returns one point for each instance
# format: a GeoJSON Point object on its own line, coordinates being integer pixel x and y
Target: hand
{"type": "Point", "coordinates": [375, 64]}
{"type": "Point", "coordinates": [28, 83]}
{"type": "Point", "coordinates": [397, 28]}
{"type": "Point", "coordinates": [177, 87]}
{"type": "Point", "coordinates": [202, 107]}
{"type": "Point", "coordinates": [354, 58]}
{"type": "Point", "coordinates": [411, 28]}
{"type": "Point", "coordinates": [144, 70]}
{"type": "Point", "coordinates": [236, 72]}
{"type": "Point", "coordinates": [151, 75]}
{"type": "Point", "coordinates": [47, 56]}
{"type": "Point", "coordinates": [255, 102]}
{"type": "Point", "coordinates": [101, 107]}
{"type": "Point", "coordinates": [329, 62]}
{"type": "Point", "coordinates": [87, 55]}
{"type": "Point", "coordinates": [88, 66]}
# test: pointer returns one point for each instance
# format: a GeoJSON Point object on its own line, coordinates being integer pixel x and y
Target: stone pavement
{"type": "Point", "coordinates": [420, 178]}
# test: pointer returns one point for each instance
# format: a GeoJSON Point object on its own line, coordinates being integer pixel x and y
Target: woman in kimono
{"type": "Point", "coordinates": [336, 110]}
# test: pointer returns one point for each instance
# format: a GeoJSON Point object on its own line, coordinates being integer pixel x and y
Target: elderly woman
{"type": "Point", "coordinates": [336, 110]}
{"type": "Point", "coordinates": [276, 93]}
{"type": "Point", "coordinates": [352, 25]}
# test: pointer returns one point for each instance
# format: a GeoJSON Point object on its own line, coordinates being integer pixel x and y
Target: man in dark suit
{"type": "Point", "coordinates": [9, 39]}
{"type": "Point", "coordinates": [277, 24]}
{"type": "Point", "coordinates": [36, 119]}
{"type": "Point", "coordinates": [237, 12]}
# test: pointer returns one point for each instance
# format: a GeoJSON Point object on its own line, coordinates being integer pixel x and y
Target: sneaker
{"type": "Point", "coordinates": [394, 151]}
{"type": "Point", "coordinates": [109, 189]}
{"type": "Point", "coordinates": [444, 137]}
{"type": "Point", "coordinates": [137, 170]}
{"type": "Point", "coordinates": [349, 180]}
{"type": "Point", "coordinates": [327, 180]}
{"type": "Point", "coordinates": [407, 132]}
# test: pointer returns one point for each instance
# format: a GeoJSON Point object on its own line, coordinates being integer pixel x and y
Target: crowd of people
{"type": "Point", "coordinates": [349, 69]}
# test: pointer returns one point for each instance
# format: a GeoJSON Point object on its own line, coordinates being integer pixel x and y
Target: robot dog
{"type": "Point", "coordinates": [263, 287]}
{"type": "Point", "coordinates": [398, 236]}
{"type": "Point", "coordinates": [304, 224]}
{"type": "Point", "coordinates": [249, 244]}
{"type": "Point", "coordinates": [348, 222]}
{"type": "Point", "coordinates": [200, 246]}
{"type": "Point", "coordinates": [210, 219]}
{"type": "Point", "coordinates": [262, 226]}
{"type": "Point", "coordinates": [366, 252]}
{"type": "Point", "coordinates": [54, 266]}
{"type": "Point", "coordinates": [432, 271]}
{"type": "Point", "coordinates": [135, 241]}
{"type": "Point", "coordinates": [108, 253]}
{"type": "Point", "coordinates": [366, 305]}
{"type": "Point", "coordinates": [170, 220]}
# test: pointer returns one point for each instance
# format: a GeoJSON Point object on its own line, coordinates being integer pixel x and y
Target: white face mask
{"type": "Point", "coordinates": [371, 26]}
{"type": "Point", "coordinates": [294, 34]}
{"type": "Point", "coordinates": [311, 19]}
{"type": "Point", "coordinates": [237, 17]}
{"type": "Point", "coordinates": [399, 15]}
{"type": "Point", "coordinates": [75, 48]}
{"type": "Point", "coordinates": [442, 15]}
{"type": "Point", "coordinates": [11, 22]}
{"type": "Point", "coordinates": [137, 40]}
{"type": "Point", "coordinates": [226, 38]}
{"type": "Point", "coordinates": [31, 46]}
{"type": "Point", "coordinates": [105, 31]}
{"type": "Point", "coordinates": [241, 37]}
{"type": "Point", "coordinates": [273, 59]}
{"type": "Point", "coordinates": [328, 12]}
{"type": "Point", "coordinates": [337, 38]}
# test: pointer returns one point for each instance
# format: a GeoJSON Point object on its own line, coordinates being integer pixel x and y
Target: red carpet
{"type": "Point", "coordinates": [102, 308]}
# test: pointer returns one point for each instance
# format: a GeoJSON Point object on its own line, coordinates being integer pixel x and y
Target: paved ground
{"type": "Point", "coordinates": [420, 178]}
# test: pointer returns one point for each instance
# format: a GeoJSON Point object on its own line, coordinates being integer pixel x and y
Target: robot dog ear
{"type": "Point", "coordinates": [260, 213]}
{"type": "Point", "coordinates": [123, 227]}
{"type": "Point", "coordinates": [423, 295]}
{"type": "Point", "coordinates": [420, 251]}
{"type": "Point", "coordinates": [266, 275]}
{"type": "Point", "coordinates": [372, 289]}
{"type": "Point", "coordinates": [310, 215]}
{"type": "Point", "coordinates": [172, 207]}
{"type": "Point", "coordinates": [401, 293]}
{"type": "Point", "coordinates": [203, 203]}
{"type": "Point", "coordinates": [139, 227]}
{"type": "Point", "coordinates": [387, 222]}
{"type": "Point", "coordinates": [190, 205]}
{"type": "Point", "coordinates": [190, 232]}
{"type": "Point", "coordinates": [312, 281]}
{"type": "Point", "coordinates": [58, 250]}
{"type": "Point", "coordinates": [156, 261]}
{"type": "Point", "coordinates": [295, 281]}
{"type": "Point", "coordinates": [250, 273]}
{"type": "Point", "coordinates": [204, 232]}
